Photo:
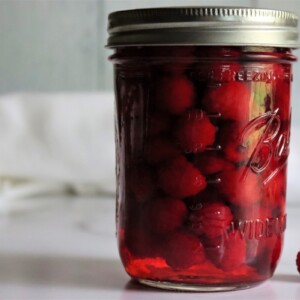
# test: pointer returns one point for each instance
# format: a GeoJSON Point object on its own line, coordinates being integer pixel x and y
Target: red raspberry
{"type": "Point", "coordinates": [264, 254]}
{"type": "Point", "coordinates": [252, 213]}
{"type": "Point", "coordinates": [274, 190]}
{"type": "Point", "coordinates": [239, 143]}
{"type": "Point", "coordinates": [179, 178]}
{"type": "Point", "coordinates": [159, 123]}
{"type": "Point", "coordinates": [262, 157]}
{"type": "Point", "coordinates": [230, 99]}
{"type": "Point", "coordinates": [212, 219]}
{"type": "Point", "coordinates": [230, 139]}
{"type": "Point", "coordinates": [181, 58]}
{"type": "Point", "coordinates": [235, 152]}
{"type": "Point", "coordinates": [164, 215]}
{"type": "Point", "coordinates": [159, 150]}
{"type": "Point", "coordinates": [298, 261]}
{"type": "Point", "coordinates": [196, 202]}
{"type": "Point", "coordinates": [238, 189]}
{"type": "Point", "coordinates": [227, 252]}
{"type": "Point", "coordinates": [142, 243]}
{"type": "Point", "coordinates": [195, 132]}
{"type": "Point", "coordinates": [259, 250]}
{"type": "Point", "coordinates": [141, 183]}
{"type": "Point", "coordinates": [282, 99]}
{"type": "Point", "coordinates": [276, 252]}
{"type": "Point", "coordinates": [282, 204]}
{"type": "Point", "coordinates": [183, 250]}
{"type": "Point", "coordinates": [224, 71]}
{"type": "Point", "coordinates": [217, 72]}
{"type": "Point", "coordinates": [175, 94]}
{"type": "Point", "coordinates": [210, 164]}
{"type": "Point", "coordinates": [282, 90]}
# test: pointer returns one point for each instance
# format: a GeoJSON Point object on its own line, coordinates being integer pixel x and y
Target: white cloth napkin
{"type": "Point", "coordinates": [56, 142]}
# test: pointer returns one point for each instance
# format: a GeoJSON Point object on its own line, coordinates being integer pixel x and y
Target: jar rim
{"type": "Point", "coordinates": [210, 26]}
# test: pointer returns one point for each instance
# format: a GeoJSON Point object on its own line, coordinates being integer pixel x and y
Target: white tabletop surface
{"type": "Point", "coordinates": [65, 248]}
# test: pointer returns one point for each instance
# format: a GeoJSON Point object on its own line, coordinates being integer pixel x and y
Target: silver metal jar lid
{"type": "Point", "coordinates": [214, 26]}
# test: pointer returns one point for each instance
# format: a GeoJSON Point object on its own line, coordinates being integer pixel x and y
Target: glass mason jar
{"type": "Point", "coordinates": [202, 141]}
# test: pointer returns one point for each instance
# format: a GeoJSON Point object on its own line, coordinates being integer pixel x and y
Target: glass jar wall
{"type": "Point", "coordinates": [202, 136]}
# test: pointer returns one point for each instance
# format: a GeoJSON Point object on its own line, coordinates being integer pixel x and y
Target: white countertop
{"type": "Point", "coordinates": [65, 248]}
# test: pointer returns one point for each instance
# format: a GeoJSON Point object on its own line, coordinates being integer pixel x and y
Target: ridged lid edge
{"type": "Point", "coordinates": [152, 26]}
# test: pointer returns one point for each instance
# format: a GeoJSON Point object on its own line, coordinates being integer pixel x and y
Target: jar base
{"type": "Point", "coordinates": [196, 287]}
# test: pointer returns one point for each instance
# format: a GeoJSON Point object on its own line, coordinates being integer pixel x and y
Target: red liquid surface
{"type": "Point", "coordinates": [202, 139]}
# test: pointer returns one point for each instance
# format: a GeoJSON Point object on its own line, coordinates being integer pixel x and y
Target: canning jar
{"type": "Point", "coordinates": [202, 129]}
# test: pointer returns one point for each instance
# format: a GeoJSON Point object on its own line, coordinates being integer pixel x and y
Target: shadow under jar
{"type": "Point", "coordinates": [202, 141]}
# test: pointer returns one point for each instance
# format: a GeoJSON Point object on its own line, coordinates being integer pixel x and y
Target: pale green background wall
{"type": "Point", "coordinates": [58, 45]}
